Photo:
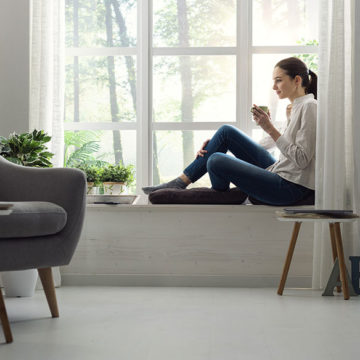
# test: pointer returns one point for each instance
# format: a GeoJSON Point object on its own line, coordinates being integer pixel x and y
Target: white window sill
{"type": "Point", "coordinates": [142, 203]}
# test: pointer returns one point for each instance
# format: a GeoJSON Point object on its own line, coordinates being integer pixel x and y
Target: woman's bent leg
{"type": "Point", "coordinates": [229, 138]}
{"type": "Point", "coordinates": [257, 182]}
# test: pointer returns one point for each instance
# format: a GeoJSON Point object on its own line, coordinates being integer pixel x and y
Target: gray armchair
{"type": "Point", "coordinates": [45, 225]}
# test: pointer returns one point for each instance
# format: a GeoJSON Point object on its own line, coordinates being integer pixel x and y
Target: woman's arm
{"type": "Point", "coordinates": [302, 149]}
{"type": "Point", "coordinates": [267, 142]}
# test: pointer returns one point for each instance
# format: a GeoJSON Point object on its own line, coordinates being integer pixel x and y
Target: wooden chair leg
{"type": "Point", "coordinates": [49, 288]}
{"type": "Point", "coordinates": [333, 247]}
{"type": "Point", "coordinates": [289, 256]}
{"type": "Point", "coordinates": [340, 253]}
{"type": "Point", "coordinates": [4, 320]}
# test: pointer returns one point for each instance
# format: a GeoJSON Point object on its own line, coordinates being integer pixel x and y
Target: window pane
{"type": "Point", "coordinates": [285, 22]}
{"type": "Point", "coordinates": [100, 89]}
{"type": "Point", "coordinates": [170, 157]}
{"type": "Point", "coordinates": [194, 88]}
{"type": "Point", "coordinates": [99, 23]}
{"type": "Point", "coordinates": [262, 92]}
{"type": "Point", "coordinates": [202, 23]}
{"type": "Point", "coordinates": [96, 146]}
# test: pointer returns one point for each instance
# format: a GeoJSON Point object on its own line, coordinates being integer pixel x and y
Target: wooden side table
{"type": "Point", "coordinates": [336, 243]}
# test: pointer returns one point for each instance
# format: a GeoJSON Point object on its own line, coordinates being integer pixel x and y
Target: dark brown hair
{"type": "Point", "coordinates": [294, 66]}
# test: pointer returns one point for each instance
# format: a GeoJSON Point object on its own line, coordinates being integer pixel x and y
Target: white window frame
{"type": "Point", "coordinates": [145, 52]}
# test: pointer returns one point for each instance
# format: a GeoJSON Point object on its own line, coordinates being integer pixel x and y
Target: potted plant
{"type": "Point", "coordinates": [20, 283]}
{"type": "Point", "coordinates": [93, 177]}
{"type": "Point", "coordinates": [27, 149]}
{"type": "Point", "coordinates": [116, 178]}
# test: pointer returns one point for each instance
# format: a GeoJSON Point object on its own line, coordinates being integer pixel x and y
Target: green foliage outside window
{"type": "Point", "coordinates": [311, 60]}
{"type": "Point", "coordinates": [80, 148]}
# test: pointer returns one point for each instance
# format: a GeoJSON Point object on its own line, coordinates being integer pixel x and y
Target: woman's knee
{"type": "Point", "coordinates": [230, 131]}
{"type": "Point", "coordinates": [215, 161]}
{"type": "Point", "coordinates": [226, 128]}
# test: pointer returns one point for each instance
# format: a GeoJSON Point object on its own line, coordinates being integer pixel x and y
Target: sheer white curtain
{"type": "Point", "coordinates": [47, 72]}
{"type": "Point", "coordinates": [337, 156]}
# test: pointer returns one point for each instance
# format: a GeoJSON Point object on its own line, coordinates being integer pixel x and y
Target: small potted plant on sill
{"type": "Point", "coordinates": [93, 177]}
{"type": "Point", "coordinates": [117, 178]}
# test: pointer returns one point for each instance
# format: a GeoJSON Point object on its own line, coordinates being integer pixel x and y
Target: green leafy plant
{"type": "Point", "coordinates": [118, 173]}
{"type": "Point", "coordinates": [93, 173]}
{"type": "Point", "coordinates": [27, 149]}
{"type": "Point", "coordinates": [98, 175]}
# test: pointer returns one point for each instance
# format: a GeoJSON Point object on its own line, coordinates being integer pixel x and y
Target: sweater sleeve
{"type": "Point", "coordinates": [267, 142]}
{"type": "Point", "coordinates": [302, 150]}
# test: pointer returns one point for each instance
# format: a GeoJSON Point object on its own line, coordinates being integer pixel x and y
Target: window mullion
{"type": "Point", "coordinates": [176, 51]}
{"type": "Point", "coordinates": [143, 143]}
{"type": "Point", "coordinates": [243, 65]}
{"type": "Point", "coordinates": [285, 49]}
{"type": "Point", "coordinates": [193, 126]}
{"type": "Point", "coordinates": [101, 51]}
{"type": "Point", "coordinates": [94, 126]}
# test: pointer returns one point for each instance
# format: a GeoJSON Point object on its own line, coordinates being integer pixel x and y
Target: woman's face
{"type": "Point", "coordinates": [284, 85]}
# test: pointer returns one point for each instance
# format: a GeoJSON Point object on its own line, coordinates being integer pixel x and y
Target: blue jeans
{"type": "Point", "coordinates": [246, 170]}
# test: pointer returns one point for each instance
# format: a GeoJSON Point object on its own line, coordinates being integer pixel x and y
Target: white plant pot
{"type": "Point", "coordinates": [19, 283]}
{"type": "Point", "coordinates": [114, 188]}
{"type": "Point", "coordinates": [92, 189]}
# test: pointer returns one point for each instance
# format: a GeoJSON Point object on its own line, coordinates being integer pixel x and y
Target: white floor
{"type": "Point", "coordinates": [183, 324]}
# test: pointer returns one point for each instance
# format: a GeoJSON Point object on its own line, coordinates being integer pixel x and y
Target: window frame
{"type": "Point", "coordinates": [144, 53]}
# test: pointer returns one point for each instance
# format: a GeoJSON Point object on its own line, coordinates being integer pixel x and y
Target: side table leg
{"type": "Point", "coordinates": [340, 252]}
{"type": "Point", "coordinates": [289, 256]}
{"type": "Point", "coordinates": [333, 247]}
{"type": "Point", "coordinates": [4, 320]}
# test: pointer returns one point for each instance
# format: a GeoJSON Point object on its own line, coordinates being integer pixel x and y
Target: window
{"type": "Point", "coordinates": [149, 81]}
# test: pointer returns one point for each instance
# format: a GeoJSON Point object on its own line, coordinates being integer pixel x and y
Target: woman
{"type": "Point", "coordinates": [253, 169]}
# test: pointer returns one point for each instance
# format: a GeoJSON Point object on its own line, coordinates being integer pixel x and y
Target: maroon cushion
{"type": "Point", "coordinates": [309, 200]}
{"type": "Point", "coordinates": [205, 195]}
{"type": "Point", "coordinates": [197, 196]}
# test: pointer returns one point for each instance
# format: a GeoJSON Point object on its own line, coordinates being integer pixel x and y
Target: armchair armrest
{"type": "Point", "coordinates": [62, 186]}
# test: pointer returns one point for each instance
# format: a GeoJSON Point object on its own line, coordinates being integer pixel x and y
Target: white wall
{"type": "Point", "coordinates": [188, 245]}
{"type": "Point", "coordinates": [14, 65]}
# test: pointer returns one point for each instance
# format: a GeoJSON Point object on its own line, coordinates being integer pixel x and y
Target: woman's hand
{"type": "Point", "coordinates": [262, 118]}
{"type": "Point", "coordinates": [202, 152]}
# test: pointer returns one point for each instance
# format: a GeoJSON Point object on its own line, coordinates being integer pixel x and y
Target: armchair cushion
{"type": "Point", "coordinates": [32, 218]}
